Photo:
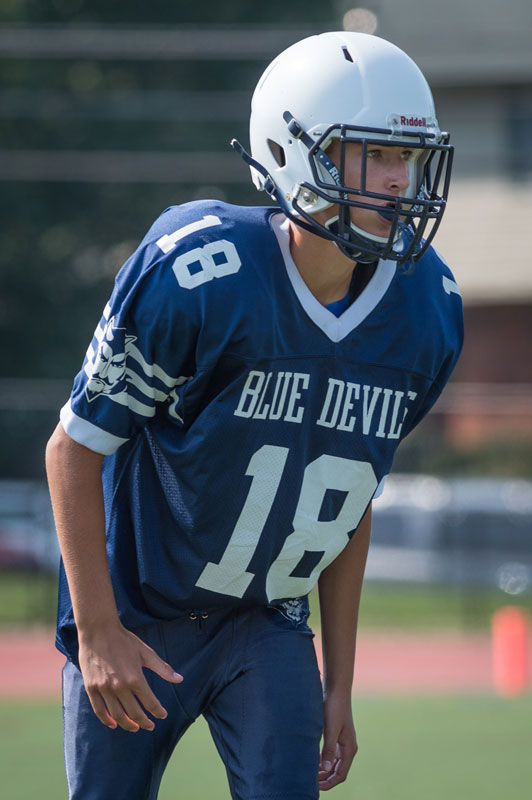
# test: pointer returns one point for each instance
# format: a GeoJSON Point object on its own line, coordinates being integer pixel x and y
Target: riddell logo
{"type": "Point", "coordinates": [414, 122]}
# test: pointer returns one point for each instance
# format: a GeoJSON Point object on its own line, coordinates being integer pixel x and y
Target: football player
{"type": "Point", "coordinates": [237, 411]}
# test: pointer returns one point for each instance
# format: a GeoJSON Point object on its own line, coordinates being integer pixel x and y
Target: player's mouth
{"type": "Point", "coordinates": [387, 212]}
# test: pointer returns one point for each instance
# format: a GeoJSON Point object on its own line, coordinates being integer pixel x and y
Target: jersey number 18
{"type": "Point", "coordinates": [310, 535]}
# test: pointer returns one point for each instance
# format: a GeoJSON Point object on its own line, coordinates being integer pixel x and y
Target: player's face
{"type": "Point", "coordinates": [387, 172]}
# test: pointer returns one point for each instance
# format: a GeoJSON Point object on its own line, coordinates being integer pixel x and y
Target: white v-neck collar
{"type": "Point", "coordinates": [336, 328]}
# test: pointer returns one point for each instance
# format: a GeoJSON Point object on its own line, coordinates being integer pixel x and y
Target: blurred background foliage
{"type": "Point", "coordinates": [63, 241]}
{"type": "Point", "coordinates": [166, 12]}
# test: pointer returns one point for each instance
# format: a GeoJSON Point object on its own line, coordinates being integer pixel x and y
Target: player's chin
{"type": "Point", "coordinates": [374, 224]}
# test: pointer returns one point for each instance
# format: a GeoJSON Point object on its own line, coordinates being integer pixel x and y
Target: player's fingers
{"type": "Point", "coordinates": [150, 702]}
{"type": "Point", "coordinates": [117, 712]}
{"type": "Point", "coordinates": [134, 711]}
{"type": "Point", "coordinates": [100, 709]}
{"type": "Point", "coordinates": [327, 779]}
{"type": "Point", "coordinates": [341, 769]}
{"type": "Point", "coordinates": [328, 756]}
{"type": "Point", "coordinates": [151, 660]}
{"type": "Point", "coordinates": [329, 783]}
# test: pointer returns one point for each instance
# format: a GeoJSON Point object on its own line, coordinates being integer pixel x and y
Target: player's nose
{"type": "Point", "coordinates": [398, 176]}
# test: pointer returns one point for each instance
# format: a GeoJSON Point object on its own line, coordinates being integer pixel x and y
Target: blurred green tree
{"type": "Point", "coordinates": [64, 239]}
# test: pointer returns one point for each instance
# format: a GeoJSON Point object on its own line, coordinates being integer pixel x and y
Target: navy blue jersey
{"type": "Point", "coordinates": [246, 427]}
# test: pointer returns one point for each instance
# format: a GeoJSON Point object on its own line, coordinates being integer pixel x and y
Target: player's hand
{"type": "Point", "coordinates": [111, 663]}
{"type": "Point", "coordinates": [339, 741]}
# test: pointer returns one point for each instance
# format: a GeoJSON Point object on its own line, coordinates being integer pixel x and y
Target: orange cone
{"type": "Point", "coordinates": [510, 630]}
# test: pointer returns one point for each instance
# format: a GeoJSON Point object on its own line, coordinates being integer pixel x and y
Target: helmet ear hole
{"type": "Point", "coordinates": [277, 152]}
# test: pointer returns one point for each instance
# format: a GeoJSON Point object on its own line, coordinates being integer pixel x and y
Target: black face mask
{"type": "Point", "coordinates": [414, 221]}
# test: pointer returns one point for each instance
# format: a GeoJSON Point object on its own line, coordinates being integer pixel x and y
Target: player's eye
{"type": "Point", "coordinates": [407, 155]}
{"type": "Point", "coordinates": [374, 153]}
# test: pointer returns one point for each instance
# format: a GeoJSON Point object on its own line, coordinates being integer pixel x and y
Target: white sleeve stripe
{"type": "Point", "coordinates": [152, 370]}
{"type": "Point", "coordinates": [87, 434]}
{"type": "Point", "coordinates": [139, 408]}
{"type": "Point", "coordinates": [98, 333]}
{"type": "Point", "coordinates": [450, 286]}
{"type": "Point", "coordinates": [128, 401]}
{"type": "Point", "coordinates": [145, 388]}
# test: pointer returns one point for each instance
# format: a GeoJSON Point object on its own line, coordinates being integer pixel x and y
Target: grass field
{"type": "Point", "coordinates": [467, 748]}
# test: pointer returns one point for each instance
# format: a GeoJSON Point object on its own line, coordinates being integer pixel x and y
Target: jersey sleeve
{"type": "Point", "coordinates": [430, 398]}
{"type": "Point", "coordinates": [142, 351]}
{"type": "Point", "coordinates": [454, 342]}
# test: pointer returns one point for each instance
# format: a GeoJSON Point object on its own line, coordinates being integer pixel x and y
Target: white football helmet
{"type": "Point", "coordinates": [354, 87]}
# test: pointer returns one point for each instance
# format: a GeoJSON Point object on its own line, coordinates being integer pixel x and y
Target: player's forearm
{"type": "Point", "coordinates": [340, 587]}
{"type": "Point", "coordinates": [74, 477]}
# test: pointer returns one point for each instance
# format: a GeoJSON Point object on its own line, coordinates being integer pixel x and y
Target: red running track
{"type": "Point", "coordinates": [387, 662]}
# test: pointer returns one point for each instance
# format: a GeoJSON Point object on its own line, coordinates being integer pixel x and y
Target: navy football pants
{"type": "Point", "coordinates": [252, 673]}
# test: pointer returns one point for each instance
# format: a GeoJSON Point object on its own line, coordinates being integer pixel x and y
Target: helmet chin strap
{"type": "Point", "coordinates": [355, 236]}
{"type": "Point", "coordinates": [274, 191]}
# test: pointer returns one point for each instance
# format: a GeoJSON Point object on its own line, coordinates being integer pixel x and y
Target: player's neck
{"type": "Point", "coordinates": [325, 269]}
